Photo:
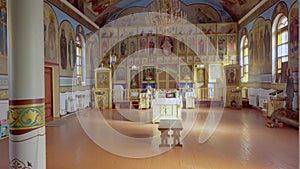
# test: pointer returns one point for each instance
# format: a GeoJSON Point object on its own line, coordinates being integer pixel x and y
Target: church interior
{"type": "Point", "coordinates": [173, 84]}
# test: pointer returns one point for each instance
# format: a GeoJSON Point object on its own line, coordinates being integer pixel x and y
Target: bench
{"type": "Point", "coordinates": [166, 125]}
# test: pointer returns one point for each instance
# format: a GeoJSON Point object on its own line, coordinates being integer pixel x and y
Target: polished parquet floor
{"type": "Point", "coordinates": [241, 141]}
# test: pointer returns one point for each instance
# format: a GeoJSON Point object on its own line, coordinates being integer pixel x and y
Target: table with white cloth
{"type": "Point", "coordinates": [190, 99]}
{"type": "Point", "coordinates": [166, 108]}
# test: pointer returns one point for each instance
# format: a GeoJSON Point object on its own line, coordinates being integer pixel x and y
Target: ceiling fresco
{"type": "Point", "coordinates": [101, 11]}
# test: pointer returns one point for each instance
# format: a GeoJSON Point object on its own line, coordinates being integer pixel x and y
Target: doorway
{"type": "Point", "coordinates": [167, 77]}
{"type": "Point", "coordinates": [48, 94]}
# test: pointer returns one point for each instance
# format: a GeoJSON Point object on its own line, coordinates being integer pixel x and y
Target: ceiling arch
{"type": "Point", "coordinates": [102, 11]}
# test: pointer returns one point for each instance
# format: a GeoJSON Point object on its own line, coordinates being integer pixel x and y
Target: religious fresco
{"type": "Point", "coordinates": [280, 8]}
{"type": "Point", "coordinates": [92, 54]}
{"type": "Point", "coordinates": [293, 37]}
{"type": "Point", "coordinates": [260, 59]}
{"type": "Point", "coordinates": [238, 8]}
{"type": "Point", "coordinates": [201, 13]}
{"type": "Point", "coordinates": [101, 11]}
{"type": "Point", "coordinates": [198, 13]}
{"type": "Point", "coordinates": [67, 57]}
{"type": "Point", "coordinates": [71, 51]}
{"type": "Point", "coordinates": [79, 30]}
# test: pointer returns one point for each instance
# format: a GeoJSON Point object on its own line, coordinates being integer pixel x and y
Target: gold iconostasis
{"type": "Point", "coordinates": [164, 56]}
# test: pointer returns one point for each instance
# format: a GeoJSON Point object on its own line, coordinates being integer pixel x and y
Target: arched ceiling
{"type": "Point", "coordinates": [102, 11]}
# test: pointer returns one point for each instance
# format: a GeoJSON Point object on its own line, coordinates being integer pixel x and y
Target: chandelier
{"type": "Point", "coordinates": [166, 12]}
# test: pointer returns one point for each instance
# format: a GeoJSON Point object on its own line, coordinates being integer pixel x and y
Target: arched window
{"type": "Point", "coordinates": [244, 59]}
{"type": "Point", "coordinates": [281, 61]}
{"type": "Point", "coordinates": [79, 60]}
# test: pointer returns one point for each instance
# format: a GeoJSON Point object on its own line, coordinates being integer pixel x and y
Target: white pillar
{"type": "Point", "coordinates": [27, 148]}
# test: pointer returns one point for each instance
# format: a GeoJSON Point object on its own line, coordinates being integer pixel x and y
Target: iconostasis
{"type": "Point", "coordinates": [167, 57]}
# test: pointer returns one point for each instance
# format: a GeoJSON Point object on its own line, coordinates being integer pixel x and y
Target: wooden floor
{"type": "Point", "coordinates": [241, 141]}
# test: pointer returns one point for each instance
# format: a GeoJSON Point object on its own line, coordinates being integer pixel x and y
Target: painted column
{"type": "Point", "coordinates": [27, 148]}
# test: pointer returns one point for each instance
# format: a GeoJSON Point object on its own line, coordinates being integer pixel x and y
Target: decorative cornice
{"type": "Point", "coordinates": [74, 13]}
{"type": "Point", "coordinates": [255, 12]}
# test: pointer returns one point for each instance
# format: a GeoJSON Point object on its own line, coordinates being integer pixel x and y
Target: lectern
{"type": "Point", "coordinates": [103, 88]}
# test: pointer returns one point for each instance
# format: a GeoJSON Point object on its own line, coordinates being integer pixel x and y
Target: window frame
{"type": "Point", "coordinates": [278, 68]}
{"type": "Point", "coordinates": [79, 59]}
{"type": "Point", "coordinates": [244, 46]}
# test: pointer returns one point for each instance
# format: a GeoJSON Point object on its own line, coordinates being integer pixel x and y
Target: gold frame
{"type": "Point", "coordinates": [152, 69]}
{"type": "Point", "coordinates": [119, 75]}
{"type": "Point", "coordinates": [131, 73]}
{"type": "Point", "coordinates": [189, 72]}
{"type": "Point", "coordinates": [102, 79]}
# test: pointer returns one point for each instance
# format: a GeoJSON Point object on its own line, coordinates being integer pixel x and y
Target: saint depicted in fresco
{"type": "Point", "coordinates": [290, 88]}
{"type": "Point", "coordinates": [202, 17]}
{"type": "Point", "coordinates": [72, 52]}
{"type": "Point", "coordinates": [123, 48]}
{"type": "Point", "coordinates": [251, 46]}
{"type": "Point", "coordinates": [51, 38]}
{"type": "Point", "coordinates": [267, 39]}
{"type": "Point", "coordinates": [63, 50]}
{"type": "Point", "coordinates": [294, 27]}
